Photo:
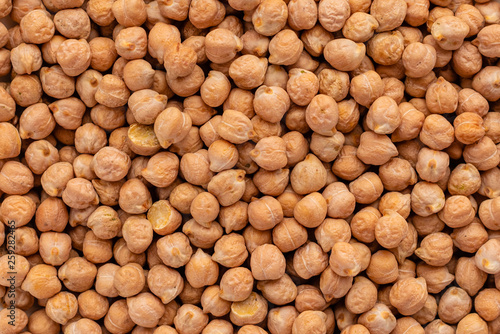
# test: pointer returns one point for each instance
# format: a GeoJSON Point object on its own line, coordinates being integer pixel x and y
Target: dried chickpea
{"type": "Point", "coordinates": [336, 52]}
{"type": "Point", "coordinates": [37, 27]}
{"type": "Point", "coordinates": [249, 71]}
{"type": "Point", "coordinates": [487, 257]}
{"type": "Point", "coordinates": [437, 132]}
{"type": "Point", "coordinates": [117, 319]}
{"type": "Point", "coordinates": [201, 270]}
{"type": "Point", "coordinates": [16, 179]}
{"type": "Point", "coordinates": [449, 31]}
{"type": "Point", "coordinates": [174, 249]}
{"type": "Point", "coordinates": [267, 262]}
{"type": "Point", "coordinates": [92, 305]}
{"type": "Point", "coordinates": [419, 59]}
{"type": "Point", "coordinates": [386, 48]}
{"type": "Point", "coordinates": [454, 304]}
{"type": "Point", "coordinates": [379, 319]}
{"type": "Point", "coordinates": [366, 88]}
{"type": "Point", "coordinates": [252, 310]}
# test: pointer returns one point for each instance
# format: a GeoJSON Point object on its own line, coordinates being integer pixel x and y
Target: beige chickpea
{"type": "Point", "coordinates": [248, 71]}
{"type": "Point", "coordinates": [142, 139]}
{"type": "Point", "coordinates": [389, 14]}
{"type": "Point", "coordinates": [110, 164]}
{"type": "Point", "coordinates": [174, 250]}
{"type": "Point", "coordinates": [103, 53]}
{"type": "Point", "coordinates": [145, 309]}
{"type": "Point", "coordinates": [37, 27]}
{"type": "Point", "coordinates": [412, 121]}
{"type": "Point", "coordinates": [483, 40]}
{"type": "Point", "coordinates": [366, 88]}
{"type": "Point", "coordinates": [74, 56]}
{"type": "Point", "coordinates": [15, 269]}
{"type": "Point", "coordinates": [79, 193]}
{"type": "Point", "coordinates": [487, 213]}
{"type": "Point", "coordinates": [285, 48]}
{"type": "Point", "coordinates": [39, 322]}
{"type": "Point", "coordinates": [454, 304]}
{"type": "Point", "coordinates": [146, 105]}
{"type": "Point", "coordinates": [130, 13]}
{"type": "Point", "coordinates": [270, 153]}
{"type": "Point", "coordinates": [230, 250]}
{"type": "Point", "coordinates": [379, 319]}
{"type": "Point", "coordinates": [468, 276]}
{"type": "Point", "coordinates": [264, 129]}
{"type": "Point", "coordinates": [289, 235]}
{"type": "Point", "coordinates": [376, 149]}
{"type": "Point", "coordinates": [17, 209]}
{"type": "Point", "coordinates": [270, 17]}
{"type": "Point", "coordinates": [92, 305]}
{"type": "Point", "coordinates": [311, 210]}
{"type": "Point", "coordinates": [68, 112]}
{"type": "Point", "coordinates": [467, 60]}
{"type": "Point", "coordinates": [419, 59]}
{"type": "Point", "coordinates": [234, 217]}
{"type": "Point", "coordinates": [409, 295]}
{"type": "Point", "coordinates": [360, 27]}
{"type": "Point", "coordinates": [112, 91]}
{"type": "Point", "coordinates": [96, 250]}
{"type": "Point", "coordinates": [41, 281]}
{"type": "Point", "coordinates": [487, 258]}
{"type": "Point", "coordinates": [8, 107]}
{"type": "Point", "coordinates": [432, 165]}
{"type": "Point", "coordinates": [252, 310]}
{"type": "Point", "coordinates": [362, 296]}
{"type": "Point", "coordinates": [347, 165]}
{"type": "Point", "coordinates": [129, 280]}
{"type": "Point", "coordinates": [201, 270]}
{"type": "Point", "coordinates": [322, 115]}
{"type": "Point", "coordinates": [171, 126]}
{"type": "Point", "coordinates": [54, 247]}
{"type": "Point", "coordinates": [182, 196]}
{"type": "Point", "coordinates": [333, 14]}
{"type": "Point", "coordinates": [363, 224]}
{"type": "Point", "coordinates": [267, 262]}
{"type": "Point", "coordinates": [77, 274]}
{"type": "Point", "coordinates": [309, 260]}
{"type": "Point", "coordinates": [62, 307]}
{"type": "Point", "coordinates": [212, 303]}
{"type": "Point", "coordinates": [16, 178]}
{"type": "Point", "coordinates": [10, 136]}
{"type": "Point", "coordinates": [236, 284]}
{"type": "Point", "coordinates": [123, 255]}
{"type": "Point", "coordinates": [394, 88]}
{"type": "Point", "coordinates": [309, 298]}
{"type": "Point", "coordinates": [472, 322]}
{"type": "Point", "coordinates": [437, 132]}
{"type": "Point", "coordinates": [222, 45]}
{"type": "Point", "coordinates": [221, 183]}
{"type": "Point", "coordinates": [386, 48]}
{"type": "Point", "coordinates": [203, 15]}
{"type": "Point", "coordinates": [255, 238]}
{"type": "Point", "coordinates": [117, 319]}
{"type": "Point", "coordinates": [31, 119]}
{"type": "Point", "coordinates": [218, 325]}
{"type": "Point", "coordinates": [336, 52]}
{"type": "Point", "coordinates": [481, 154]}
{"type": "Point", "coordinates": [449, 31]}
{"type": "Point", "coordinates": [104, 222]}
{"type": "Point", "coordinates": [138, 234]}
{"type": "Point", "coordinates": [13, 326]}
{"type": "Point", "coordinates": [436, 249]}
{"type": "Point", "coordinates": [26, 240]}
{"type": "Point", "coordinates": [484, 82]}
{"type": "Point", "coordinates": [458, 211]}
{"type": "Point", "coordinates": [271, 103]}
{"type": "Point", "coordinates": [204, 208]}
{"type": "Point", "coordinates": [104, 283]}
{"type": "Point", "coordinates": [438, 326]}
{"type": "Point", "coordinates": [215, 90]}
{"type": "Point", "coordinates": [390, 229]}
{"type": "Point", "coordinates": [26, 58]}
{"type": "Point", "coordinates": [469, 238]}
{"type": "Point", "coordinates": [334, 84]}
{"type": "Point", "coordinates": [86, 86]}
{"type": "Point", "coordinates": [343, 260]}
{"type": "Point", "coordinates": [384, 116]}
{"type": "Point", "coordinates": [223, 155]}
{"type": "Point", "coordinates": [336, 193]}
{"type": "Point", "coordinates": [190, 319]}
{"type": "Point", "coordinates": [471, 101]}
{"type": "Point", "coordinates": [383, 267]}
{"type": "Point", "coordinates": [26, 90]}
{"type": "Point", "coordinates": [138, 74]}
{"type": "Point", "coordinates": [308, 175]}
{"type": "Point", "coordinates": [302, 15]}
{"type": "Point", "coordinates": [131, 43]}
{"type": "Point", "coordinates": [360, 191]}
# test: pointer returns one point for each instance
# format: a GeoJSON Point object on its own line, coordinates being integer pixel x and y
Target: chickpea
{"type": "Point", "coordinates": [248, 71]}
{"type": "Point", "coordinates": [212, 303]}
{"type": "Point", "coordinates": [362, 296]}
{"type": "Point", "coordinates": [117, 319]}
{"type": "Point", "coordinates": [104, 283]}
{"type": "Point", "coordinates": [37, 27]}
{"type": "Point", "coordinates": [92, 305]}
{"type": "Point", "coordinates": [386, 48]}
{"type": "Point", "coordinates": [366, 88]}
{"type": "Point", "coordinates": [360, 27]}
{"type": "Point", "coordinates": [190, 319]}
{"type": "Point", "coordinates": [16, 178]}
{"type": "Point", "coordinates": [454, 305]}
{"type": "Point", "coordinates": [419, 59]}
{"type": "Point", "coordinates": [267, 262]}
{"type": "Point", "coordinates": [487, 257]}
{"type": "Point", "coordinates": [145, 309]}
{"type": "Point", "coordinates": [336, 52]}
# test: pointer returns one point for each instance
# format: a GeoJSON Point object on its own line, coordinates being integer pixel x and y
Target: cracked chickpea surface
{"type": "Point", "coordinates": [258, 166]}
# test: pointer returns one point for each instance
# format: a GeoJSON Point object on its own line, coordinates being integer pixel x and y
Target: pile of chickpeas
{"type": "Point", "coordinates": [250, 166]}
